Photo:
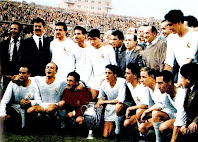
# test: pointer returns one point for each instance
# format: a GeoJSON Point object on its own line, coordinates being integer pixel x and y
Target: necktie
{"type": "Point", "coordinates": [1, 89]}
{"type": "Point", "coordinates": [40, 44]}
{"type": "Point", "coordinates": [116, 51]}
{"type": "Point", "coordinates": [127, 57]}
{"type": "Point", "coordinates": [188, 91]}
{"type": "Point", "coordinates": [188, 98]}
{"type": "Point", "coordinates": [14, 56]}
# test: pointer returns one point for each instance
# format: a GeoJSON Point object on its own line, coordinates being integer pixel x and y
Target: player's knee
{"type": "Point", "coordinates": [105, 134]}
{"type": "Point", "coordinates": [162, 128]}
{"type": "Point", "coordinates": [126, 123]}
{"type": "Point", "coordinates": [79, 120]}
{"type": "Point", "coordinates": [61, 104]}
{"type": "Point", "coordinates": [120, 109]}
{"type": "Point", "coordinates": [51, 108]}
{"type": "Point", "coordinates": [139, 113]}
{"type": "Point", "coordinates": [31, 109]}
{"type": "Point", "coordinates": [142, 128]}
{"type": "Point", "coordinates": [156, 115]}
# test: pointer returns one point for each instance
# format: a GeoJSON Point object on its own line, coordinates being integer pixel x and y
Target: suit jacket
{"type": "Point", "coordinates": [134, 58]}
{"type": "Point", "coordinates": [11, 68]}
{"type": "Point", "coordinates": [121, 61]}
{"type": "Point", "coordinates": [191, 105]}
{"type": "Point", "coordinates": [35, 59]}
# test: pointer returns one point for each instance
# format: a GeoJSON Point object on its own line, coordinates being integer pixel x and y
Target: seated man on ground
{"type": "Point", "coordinates": [20, 94]}
{"type": "Point", "coordinates": [72, 101]}
{"type": "Point", "coordinates": [112, 91]}
{"type": "Point", "coordinates": [50, 89]}
{"type": "Point", "coordinates": [164, 116]}
{"type": "Point", "coordinates": [189, 80]}
{"type": "Point", "coordinates": [165, 109]}
{"type": "Point", "coordinates": [139, 93]}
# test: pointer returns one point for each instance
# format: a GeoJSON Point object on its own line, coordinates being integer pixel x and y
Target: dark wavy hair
{"type": "Point", "coordinates": [189, 71]}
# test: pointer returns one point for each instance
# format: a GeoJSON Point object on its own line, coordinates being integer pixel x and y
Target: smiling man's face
{"type": "Point", "coordinates": [50, 70]}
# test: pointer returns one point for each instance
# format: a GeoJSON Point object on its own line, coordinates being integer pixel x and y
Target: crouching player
{"type": "Point", "coordinates": [20, 95]}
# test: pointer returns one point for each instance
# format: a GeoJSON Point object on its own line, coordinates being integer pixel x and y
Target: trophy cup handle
{"type": "Point", "coordinates": [84, 106]}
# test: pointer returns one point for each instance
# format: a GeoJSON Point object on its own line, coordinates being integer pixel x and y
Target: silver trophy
{"type": "Point", "coordinates": [92, 117]}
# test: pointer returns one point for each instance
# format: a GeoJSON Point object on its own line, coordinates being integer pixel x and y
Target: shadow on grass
{"type": "Point", "coordinates": [50, 135]}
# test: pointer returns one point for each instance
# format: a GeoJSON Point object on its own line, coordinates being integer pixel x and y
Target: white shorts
{"type": "Point", "coordinates": [110, 114]}
{"type": "Point", "coordinates": [46, 105]}
{"type": "Point", "coordinates": [170, 113]}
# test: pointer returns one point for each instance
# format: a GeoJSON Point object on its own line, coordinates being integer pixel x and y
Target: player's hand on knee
{"type": "Point", "coordinates": [70, 114]}
{"type": "Point", "coordinates": [25, 103]}
{"type": "Point", "coordinates": [127, 113]}
{"type": "Point", "coordinates": [3, 118]}
{"type": "Point", "coordinates": [61, 104]}
{"type": "Point", "coordinates": [192, 127]}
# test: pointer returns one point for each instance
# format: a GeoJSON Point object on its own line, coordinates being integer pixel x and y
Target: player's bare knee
{"type": "Point", "coordinates": [31, 109]}
{"type": "Point", "coordinates": [79, 120]}
{"type": "Point", "coordinates": [61, 104]}
{"type": "Point", "coordinates": [156, 116]}
{"type": "Point", "coordinates": [162, 128]}
{"type": "Point", "coordinates": [142, 128]}
{"type": "Point", "coordinates": [105, 134]}
{"type": "Point", "coordinates": [120, 109]}
{"type": "Point", "coordinates": [139, 113]}
{"type": "Point", "coordinates": [126, 123]}
{"type": "Point", "coordinates": [51, 108]}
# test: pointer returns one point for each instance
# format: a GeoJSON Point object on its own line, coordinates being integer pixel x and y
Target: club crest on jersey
{"type": "Point", "coordinates": [56, 90]}
{"type": "Point", "coordinates": [188, 45]}
{"type": "Point", "coordinates": [29, 96]}
{"type": "Point", "coordinates": [65, 49]}
{"type": "Point", "coordinates": [138, 99]}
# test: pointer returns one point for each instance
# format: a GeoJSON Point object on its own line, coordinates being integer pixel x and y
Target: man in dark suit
{"type": "Point", "coordinates": [37, 49]}
{"type": "Point", "coordinates": [132, 52]}
{"type": "Point", "coordinates": [11, 53]}
{"type": "Point", "coordinates": [116, 41]}
{"type": "Point", "coordinates": [189, 80]}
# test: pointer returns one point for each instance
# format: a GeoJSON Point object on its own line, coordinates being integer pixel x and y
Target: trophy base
{"type": "Point", "coordinates": [90, 135]}
{"type": "Point", "coordinates": [90, 138]}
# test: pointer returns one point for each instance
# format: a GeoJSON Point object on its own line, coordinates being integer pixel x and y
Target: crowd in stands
{"type": "Point", "coordinates": [25, 12]}
{"type": "Point", "coordinates": [143, 74]}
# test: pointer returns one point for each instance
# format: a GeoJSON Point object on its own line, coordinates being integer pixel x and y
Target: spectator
{"type": "Point", "coordinates": [140, 36]}
{"type": "Point", "coordinates": [28, 32]}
